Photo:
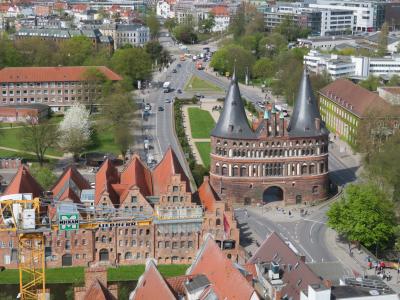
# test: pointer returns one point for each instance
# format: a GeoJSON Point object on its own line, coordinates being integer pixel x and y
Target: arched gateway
{"type": "Point", "coordinates": [272, 194]}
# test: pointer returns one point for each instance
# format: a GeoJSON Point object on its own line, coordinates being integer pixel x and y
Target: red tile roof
{"type": "Point", "coordinates": [48, 74]}
{"type": "Point", "coordinates": [299, 277]}
{"type": "Point", "coordinates": [227, 281]}
{"type": "Point", "coordinates": [152, 285]}
{"type": "Point", "coordinates": [23, 182]}
{"type": "Point", "coordinates": [207, 195]}
{"type": "Point", "coordinates": [137, 174]}
{"type": "Point", "coordinates": [177, 283]}
{"type": "Point", "coordinates": [71, 174]}
{"type": "Point", "coordinates": [98, 292]}
{"type": "Point", "coordinates": [105, 178]}
{"type": "Point", "coordinates": [353, 97]}
{"type": "Point", "coordinates": [220, 11]}
{"type": "Point", "coordinates": [163, 172]}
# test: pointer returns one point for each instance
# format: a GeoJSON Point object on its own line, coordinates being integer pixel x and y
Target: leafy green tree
{"type": "Point", "coordinates": [132, 63]}
{"type": "Point", "coordinates": [264, 68]}
{"type": "Point", "coordinates": [394, 80]}
{"type": "Point", "coordinates": [273, 44]}
{"type": "Point", "coordinates": [94, 79]}
{"type": "Point", "coordinates": [318, 81]}
{"type": "Point", "coordinates": [36, 52]}
{"type": "Point", "coordinates": [291, 30]}
{"type": "Point", "coordinates": [383, 40]}
{"type": "Point", "coordinates": [170, 24]}
{"type": "Point", "coordinates": [238, 23]}
{"type": "Point", "coordinates": [157, 52]}
{"type": "Point", "coordinates": [38, 138]}
{"type": "Point", "coordinates": [207, 24]}
{"type": "Point", "coordinates": [364, 214]}
{"type": "Point", "coordinates": [371, 83]}
{"type": "Point", "coordinates": [227, 57]}
{"type": "Point", "coordinates": [9, 56]}
{"type": "Point", "coordinates": [185, 33]}
{"type": "Point", "coordinates": [153, 24]}
{"type": "Point", "coordinates": [44, 176]}
{"type": "Point", "coordinates": [74, 51]}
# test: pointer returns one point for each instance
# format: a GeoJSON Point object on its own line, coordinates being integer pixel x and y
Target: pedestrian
{"type": "Point", "coordinates": [290, 213]}
{"type": "Point", "coordinates": [369, 265]}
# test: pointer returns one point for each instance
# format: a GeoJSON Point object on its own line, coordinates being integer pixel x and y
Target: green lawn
{"type": "Point", "coordinates": [204, 150]}
{"type": "Point", "coordinates": [76, 274]}
{"type": "Point", "coordinates": [201, 123]}
{"type": "Point", "coordinates": [103, 141]}
{"type": "Point", "coordinates": [200, 85]}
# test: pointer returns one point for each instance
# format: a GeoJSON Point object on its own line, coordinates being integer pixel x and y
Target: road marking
{"type": "Point", "coordinates": [311, 229]}
{"type": "Point", "coordinates": [315, 221]}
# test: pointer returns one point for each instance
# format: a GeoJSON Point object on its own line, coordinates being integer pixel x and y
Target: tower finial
{"type": "Point", "coordinates": [234, 78]}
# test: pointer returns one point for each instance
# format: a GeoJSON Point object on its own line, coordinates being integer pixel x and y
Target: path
{"type": "Point", "coordinates": [29, 152]}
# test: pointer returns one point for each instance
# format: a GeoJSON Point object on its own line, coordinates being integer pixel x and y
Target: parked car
{"type": "Point", "coordinates": [179, 91]}
{"type": "Point", "coordinates": [160, 108]}
{"type": "Point", "coordinates": [167, 100]}
{"type": "Point", "coordinates": [174, 71]}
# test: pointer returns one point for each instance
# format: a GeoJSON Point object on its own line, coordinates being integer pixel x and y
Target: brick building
{"type": "Point", "coordinates": [140, 214]}
{"type": "Point", "coordinates": [276, 159]}
{"type": "Point", "coordinates": [23, 112]}
{"type": "Point", "coordinates": [57, 87]}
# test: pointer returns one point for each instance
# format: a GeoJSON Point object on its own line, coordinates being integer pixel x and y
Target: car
{"type": "Point", "coordinates": [160, 108]}
{"type": "Point", "coordinates": [179, 91]}
{"type": "Point", "coordinates": [147, 107]}
{"type": "Point", "coordinates": [179, 65]}
{"type": "Point", "coordinates": [167, 100]}
{"type": "Point", "coordinates": [199, 96]}
{"type": "Point", "coordinates": [174, 71]}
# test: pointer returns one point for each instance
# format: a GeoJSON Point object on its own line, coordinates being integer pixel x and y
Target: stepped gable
{"type": "Point", "coordinates": [163, 172]}
{"type": "Point", "coordinates": [152, 285]}
{"type": "Point", "coordinates": [227, 281]}
{"type": "Point", "coordinates": [106, 176]}
{"type": "Point", "coordinates": [97, 291]}
{"type": "Point", "coordinates": [233, 123]}
{"type": "Point", "coordinates": [306, 120]}
{"type": "Point", "coordinates": [23, 182]}
{"type": "Point", "coordinates": [298, 278]}
{"type": "Point", "coordinates": [207, 195]}
{"type": "Point", "coordinates": [137, 174]}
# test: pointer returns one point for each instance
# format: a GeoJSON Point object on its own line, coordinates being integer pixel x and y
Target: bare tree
{"type": "Point", "coordinates": [38, 138]}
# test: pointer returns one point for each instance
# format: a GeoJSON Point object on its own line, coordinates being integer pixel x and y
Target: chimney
{"type": "Point", "coordinates": [318, 123]}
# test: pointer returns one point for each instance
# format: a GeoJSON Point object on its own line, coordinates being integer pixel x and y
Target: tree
{"type": "Point", "coordinates": [74, 51]}
{"type": "Point", "coordinates": [9, 56]}
{"type": "Point", "coordinates": [185, 33]}
{"type": "Point", "coordinates": [318, 81]}
{"type": "Point", "coordinates": [94, 82]}
{"type": "Point", "coordinates": [170, 24]}
{"type": "Point", "coordinates": [264, 68]}
{"type": "Point", "coordinates": [238, 23]}
{"type": "Point", "coordinates": [157, 52]}
{"type": "Point", "coordinates": [371, 83]}
{"type": "Point", "coordinates": [37, 52]}
{"type": "Point", "coordinates": [291, 30]}
{"type": "Point", "coordinates": [383, 40]}
{"type": "Point", "coordinates": [226, 58]}
{"type": "Point", "coordinates": [118, 111]}
{"type": "Point", "coordinates": [154, 25]}
{"type": "Point", "coordinates": [133, 63]}
{"type": "Point", "coordinates": [206, 25]}
{"type": "Point", "coordinates": [75, 130]}
{"type": "Point", "coordinates": [38, 138]}
{"type": "Point", "coordinates": [44, 176]}
{"type": "Point", "coordinates": [394, 80]}
{"type": "Point", "coordinates": [364, 214]}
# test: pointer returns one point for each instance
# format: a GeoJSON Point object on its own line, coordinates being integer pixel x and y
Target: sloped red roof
{"type": "Point", "coordinates": [227, 281]}
{"type": "Point", "coordinates": [353, 97]}
{"type": "Point", "coordinates": [137, 174]}
{"type": "Point", "coordinates": [48, 74]}
{"type": "Point", "coordinates": [23, 182]}
{"type": "Point", "coordinates": [105, 177]}
{"type": "Point", "coordinates": [152, 285]}
{"type": "Point", "coordinates": [98, 292]}
{"type": "Point", "coordinates": [299, 277]}
{"type": "Point", "coordinates": [220, 11]}
{"type": "Point", "coordinates": [79, 7]}
{"type": "Point", "coordinates": [163, 172]}
{"type": "Point", "coordinates": [64, 182]}
{"type": "Point", "coordinates": [207, 195]}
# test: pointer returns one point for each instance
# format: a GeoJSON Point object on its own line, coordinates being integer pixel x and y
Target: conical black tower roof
{"type": "Point", "coordinates": [233, 123]}
{"type": "Point", "coordinates": [303, 121]}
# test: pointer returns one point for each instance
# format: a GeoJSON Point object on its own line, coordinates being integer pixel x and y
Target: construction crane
{"type": "Point", "coordinates": [28, 218]}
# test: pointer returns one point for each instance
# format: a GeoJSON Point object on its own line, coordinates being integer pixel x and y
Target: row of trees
{"type": "Point", "coordinates": [132, 63]}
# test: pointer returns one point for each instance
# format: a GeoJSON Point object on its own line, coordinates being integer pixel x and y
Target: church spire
{"type": "Point", "coordinates": [233, 122]}
{"type": "Point", "coordinates": [306, 119]}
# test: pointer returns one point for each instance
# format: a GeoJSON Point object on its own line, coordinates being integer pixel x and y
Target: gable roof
{"type": "Point", "coordinates": [352, 97]}
{"type": "Point", "coordinates": [23, 182]}
{"type": "Point", "coordinates": [220, 11]}
{"type": "Point", "coordinates": [71, 182]}
{"type": "Point", "coordinates": [227, 281]}
{"type": "Point", "coordinates": [152, 285]}
{"type": "Point", "coordinates": [105, 177]}
{"type": "Point", "coordinates": [98, 292]}
{"type": "Point", "coordinates": [298, 278]}
{"type": "Point", "coordinates": [163, 172]}
{"type": "Point", "coordinates": [137, 174]}
{"type": "Point", "coordinates": [48, 74]}
{"type": "Point", "coordinates": [207, 195]}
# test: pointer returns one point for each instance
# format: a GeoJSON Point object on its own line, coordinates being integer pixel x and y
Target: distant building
{"type": "Point", "coordinates": [344, 105]}
{"type": "Point", "coordinates": [352, 66]}
{"type": "Point", "coordinates": [96, 286]}
{"type": "Point", "coordinates": [127, 34]}
{"type": "Point", "coordinates": [165, 10]}
{"type": "Point", "coordinates": [277, 159]}
{"type": "Point", "coordinates": [57, 87]}
{"type": "Point", "coordinates": [390, 94]}
{"type": "Point", "coordinates": [221, 18]}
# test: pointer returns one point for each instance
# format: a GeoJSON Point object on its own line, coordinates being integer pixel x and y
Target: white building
{"type": "Point", "coordinates": [221, 18]}
{"type": "Point", "coordinates": [351, 66]}
{"type": "Point", "coordinates": [368, 14]}
{"type": "Point", "coordinates": [133, 34]}
{"type": "Point", "coordinates": [164, 10]}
